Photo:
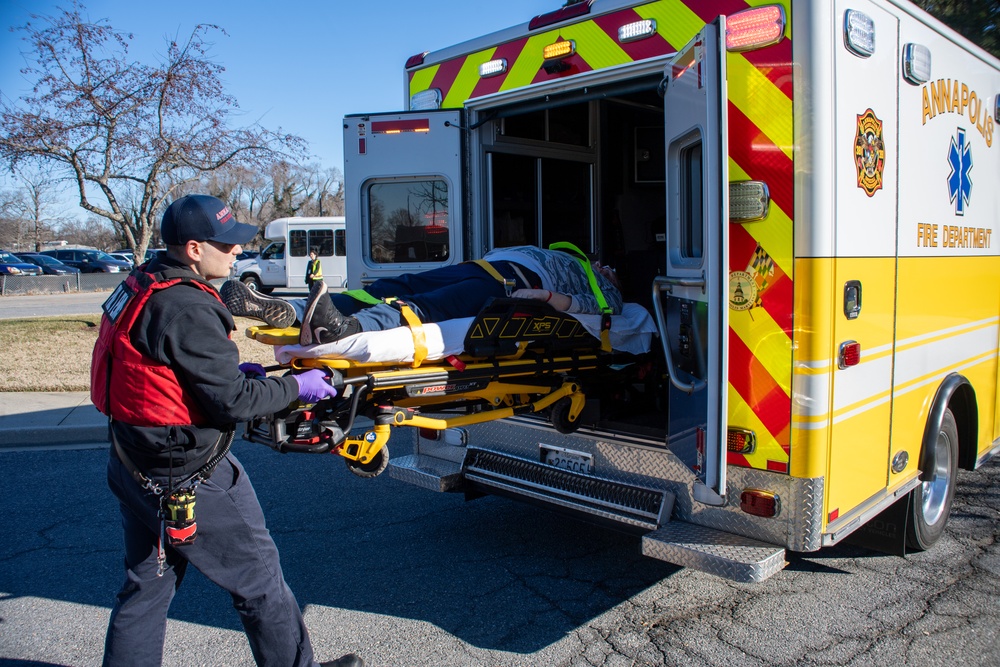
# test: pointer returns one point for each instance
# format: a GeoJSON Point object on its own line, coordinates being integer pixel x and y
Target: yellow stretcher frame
{"type": "Point", "coordinates": [502, 387]}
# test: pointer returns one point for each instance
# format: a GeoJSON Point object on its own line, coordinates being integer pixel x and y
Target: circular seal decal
{"type": "Point", "coordinates": [742, 290]}
{"type": "Point", "coordinates": [869, 152]}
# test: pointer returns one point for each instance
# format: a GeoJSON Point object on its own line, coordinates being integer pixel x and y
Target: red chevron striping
{"type": "Point", "coordinates": [759, 157]}
{"type": "Point", "coordinates": [735, 459]}
{"type": "Point", "coordinates": [775, 62]}
{"type": "Point", "coordinates": [707, 11]}
{"type": "Point", "coordinates": [756, 386]}
{"type": "Point", "coordinates": [508, 50]}
{"type": "Point", "coordinates": [445, 77]}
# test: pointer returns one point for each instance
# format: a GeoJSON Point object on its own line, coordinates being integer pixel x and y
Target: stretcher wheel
{"type": "Point", "coordinates": [373, 468]}
{"type": "Point", "coordinates": [559, 416]}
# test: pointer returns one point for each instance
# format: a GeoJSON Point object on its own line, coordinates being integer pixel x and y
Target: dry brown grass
{"type": "Point", "coordinates": [53, 353]}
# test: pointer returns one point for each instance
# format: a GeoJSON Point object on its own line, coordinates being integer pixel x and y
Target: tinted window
{"type": "Point", "coordinates": [321, 240]}
{"type": "Point", "coordinates": [297, 243]}
{"type": "Point", "coordinates": [408, 221]}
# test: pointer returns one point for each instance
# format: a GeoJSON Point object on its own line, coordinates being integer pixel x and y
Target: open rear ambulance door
{"type": "Point", "coordinates": [403, 182]}
{"type": "Point", "coordinates": [692, 298]}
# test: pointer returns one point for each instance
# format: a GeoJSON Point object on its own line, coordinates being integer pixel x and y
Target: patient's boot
{"type": "Point", "coordinates": [322, 322]}
{"type": "Point", "coordinates": [244, 302]}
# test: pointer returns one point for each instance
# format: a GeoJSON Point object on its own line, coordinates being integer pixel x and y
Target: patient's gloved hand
{"type": "Point", "coordinates": [313, 386]}
{"type": "Point", "coordinates": [252, 370]}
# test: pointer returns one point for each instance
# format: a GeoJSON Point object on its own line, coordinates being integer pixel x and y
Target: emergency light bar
{"type": "Point", "coordinates": [755, 28]}
{"type": "Point", "coordinates": [632, 32]}
{"type": "Point", "coordinates": [859, 33]}
{"type": "Point", "coordinates": [916, 63]}
{"type": "Point", "coordinates": [492, 68]}
{"type": "Point", "coordinates": [426, 99]}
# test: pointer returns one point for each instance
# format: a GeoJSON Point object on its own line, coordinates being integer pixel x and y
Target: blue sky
{"type": "Point", "coordinates": [300, 65]}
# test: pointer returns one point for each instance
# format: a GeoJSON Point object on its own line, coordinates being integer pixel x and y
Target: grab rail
{"type": "Point", "coordinates": [666, 284]}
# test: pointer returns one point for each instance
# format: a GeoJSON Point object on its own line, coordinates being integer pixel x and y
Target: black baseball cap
{"type": "Point", "coordinates": [202, 218]}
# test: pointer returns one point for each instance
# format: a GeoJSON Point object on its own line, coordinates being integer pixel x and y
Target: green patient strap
{"type": "Point", "coordinates": [362, 296]}
{"type": "Point", "coordinates": [594, 287]}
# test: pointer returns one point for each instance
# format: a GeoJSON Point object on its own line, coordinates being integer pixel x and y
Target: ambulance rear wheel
{"type": "Point", "coordinates": [559, 416]}
{"type": "Point", "coordinates": [930, 503]}
{"type": "Point", "coordinates": [373, 468]}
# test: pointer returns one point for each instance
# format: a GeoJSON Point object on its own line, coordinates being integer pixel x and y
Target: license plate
{"type": "Point", "coordinates": [568, 459]}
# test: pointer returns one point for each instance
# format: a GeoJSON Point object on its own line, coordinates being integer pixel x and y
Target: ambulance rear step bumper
{"type": "Point", "coordinates": [427, 472]}
{"type": "Point", "coordinates": [713, 551]}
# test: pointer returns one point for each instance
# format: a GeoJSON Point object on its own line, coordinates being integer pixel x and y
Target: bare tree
{"type": "Point", "coordinates": [129, 135]}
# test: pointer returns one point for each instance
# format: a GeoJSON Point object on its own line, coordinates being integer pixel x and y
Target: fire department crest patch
{"type": "Point", "coordinates": [869, 152]}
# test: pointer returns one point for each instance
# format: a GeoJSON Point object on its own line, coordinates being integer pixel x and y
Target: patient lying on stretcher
{"type": "Point", "coordinates": [565, 281]}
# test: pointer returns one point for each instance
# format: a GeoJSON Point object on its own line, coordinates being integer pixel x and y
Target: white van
{"type": "Point", "coordinates": [283, 262]}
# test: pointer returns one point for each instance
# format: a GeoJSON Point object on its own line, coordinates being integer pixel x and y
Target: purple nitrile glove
{"type": "Point", "coordinates": [252, 370]}
{"type": "Point", "coordinates": [313, 386]}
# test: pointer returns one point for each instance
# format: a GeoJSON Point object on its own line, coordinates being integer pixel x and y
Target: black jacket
{"type": "Point", "coordinates": [188, 329]}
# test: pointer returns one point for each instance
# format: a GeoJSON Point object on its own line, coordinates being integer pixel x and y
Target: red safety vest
{"type": "Point", "coordinates": [127, 385]}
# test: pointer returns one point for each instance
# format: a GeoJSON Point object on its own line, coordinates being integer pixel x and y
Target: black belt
{"type": "Point", "coordinates": [221, 449]}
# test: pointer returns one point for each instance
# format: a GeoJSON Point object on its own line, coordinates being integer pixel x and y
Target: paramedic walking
{"type": "Point", "coordinates": [167, 374]}
{"type": "Point", "coordinates": [314, 269]}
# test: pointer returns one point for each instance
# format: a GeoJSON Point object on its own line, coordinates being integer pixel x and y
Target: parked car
{"type": "Point", "coordinates": [247, 254]}
{"type": "Point", "coordinates": [124, 256]}
{"type": "Point", "coordinates": [89, 261]}
{"type": "Point", "coordinates": [12, 265]}
{"type": "Point", "coordinates": [50, 265]}
{"type": "Point", "coordinates": [129, 254]}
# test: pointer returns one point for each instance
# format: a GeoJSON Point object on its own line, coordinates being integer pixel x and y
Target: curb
{"type": "Point", "coordinates": [52, 435]}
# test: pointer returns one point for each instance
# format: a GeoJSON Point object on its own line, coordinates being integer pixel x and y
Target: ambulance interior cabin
{"type": "Point", "coordinates": [588, 167]}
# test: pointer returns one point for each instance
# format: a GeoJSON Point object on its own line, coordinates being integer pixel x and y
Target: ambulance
{"type": "Point", "coordinates": [803, 195]}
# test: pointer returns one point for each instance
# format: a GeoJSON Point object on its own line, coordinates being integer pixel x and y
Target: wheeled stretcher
{"type": "Point", "coordinates": [516, 357]}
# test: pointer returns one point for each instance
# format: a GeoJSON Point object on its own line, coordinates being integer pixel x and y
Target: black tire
{"type": "Point", "coordinates": [560, 417]}
{"type": "Point", "coordinates": [930, 503]}
{"type": "Point", "coordinates": [252, 282]}
{"type": "Point", "coordinates": [373, 468]}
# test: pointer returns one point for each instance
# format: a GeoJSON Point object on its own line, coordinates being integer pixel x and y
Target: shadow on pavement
{"type": "Point", "coordinates": [497, 574]}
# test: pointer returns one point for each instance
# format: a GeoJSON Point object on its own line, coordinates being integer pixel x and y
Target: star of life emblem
{"type": "Point", "coordinates": [959, 181]}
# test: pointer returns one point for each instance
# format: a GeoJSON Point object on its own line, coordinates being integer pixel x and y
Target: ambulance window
{"type": "Point", "coordinates": [297, 243]}
{"type": "Point", "coordinates": [514, 187]}
{"type": "Point", "coordinates": [321, 240]}
{"type": "Point", "coordinates": [408, 221]}
{"type": "Point", "coordinates": [339, 243]}
{"type": "Point", "coordinates": [566, 203]}
{"type": "Point", "coordinates": [525, 126]}
{"type": "Point", "coordinates": [692, 202]}
{"type": "Point", "coordinates": [570, 125]}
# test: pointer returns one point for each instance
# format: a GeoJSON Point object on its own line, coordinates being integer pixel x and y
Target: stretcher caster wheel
{"type": "Point", "coordinates": [559, 416]}
{"type": "Point", "coordinates": [373, 468]}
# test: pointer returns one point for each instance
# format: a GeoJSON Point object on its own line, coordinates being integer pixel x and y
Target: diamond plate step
{"type": "Point", "coordinates": [426, 472]}
{"type": "Point", "coordinates": [723, 554]}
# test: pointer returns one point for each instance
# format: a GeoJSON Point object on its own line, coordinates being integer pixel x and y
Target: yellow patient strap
{"type": "Point", "coordinates": [594, 287]}
{"type": "Point", "coordinates": [489, 268]}
{"type": "Point", "coordinates": [417, 330]}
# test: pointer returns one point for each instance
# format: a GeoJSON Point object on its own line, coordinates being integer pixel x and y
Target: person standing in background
{"type": "Point", "coordinates": [314, 270]}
